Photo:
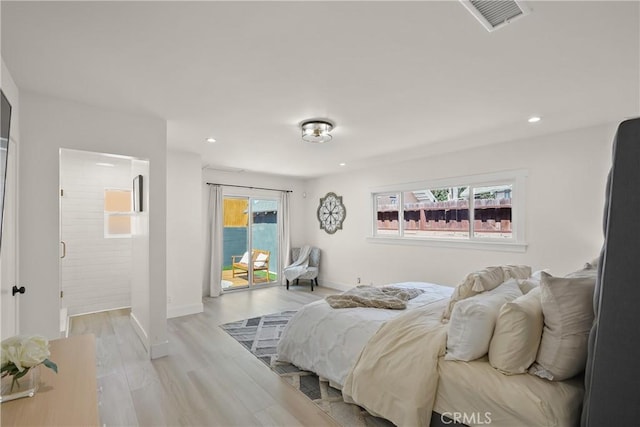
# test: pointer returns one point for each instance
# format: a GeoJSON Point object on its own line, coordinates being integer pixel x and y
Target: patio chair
{"type": "Point", "coordinates": [260, 261]}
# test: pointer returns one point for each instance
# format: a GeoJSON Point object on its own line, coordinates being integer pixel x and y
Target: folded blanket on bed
{"type": "Point", "coordinates": [396, 375]}
{"type": "Point", "coordinates": [368, 296]}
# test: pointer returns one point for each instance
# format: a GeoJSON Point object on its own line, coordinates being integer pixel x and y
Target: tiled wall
{"type": "Point", "coordinates": [96, 271]}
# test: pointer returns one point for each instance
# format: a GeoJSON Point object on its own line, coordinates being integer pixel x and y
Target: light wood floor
{"type": "Point", "coordinates": [208, 379]}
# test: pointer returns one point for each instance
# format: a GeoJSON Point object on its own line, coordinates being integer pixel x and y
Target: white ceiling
{"type": "Point", "coordinates": [400, 79]}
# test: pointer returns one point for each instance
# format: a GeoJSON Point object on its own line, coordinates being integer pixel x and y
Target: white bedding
{"type": "Point", "coordinates": [328, 341]}
{"type": "Point", "coordinates": [396, 375]}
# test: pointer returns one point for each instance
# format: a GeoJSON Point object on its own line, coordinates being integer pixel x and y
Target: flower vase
{"type": "Point", "coordinates": [25, 386]}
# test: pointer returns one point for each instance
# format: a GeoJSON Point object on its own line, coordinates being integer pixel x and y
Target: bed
{"type": "Point", "coordinates": [358, 349]}
{"type": "Point", "coordinates": [358, 343]}
{"type": "Point", "coordinates": [327, 341]}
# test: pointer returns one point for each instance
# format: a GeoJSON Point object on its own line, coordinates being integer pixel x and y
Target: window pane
{"type": "Point", "coordinates": [117, 200]}
{"type": "Point", "coordinates": [492, 212]}
{"type": "Point", "coordinates": [264, 240]}
{"type": "Point", "coordinates": [439, 213]}
{"type": "Point", "coordinates": [235, 246]}
{"type": "Point", "coordinates": [387, 214]}
{"type": "Point", "coordinates": [236, 212]}
{"type": "Point", "coordinates": [118, 225]}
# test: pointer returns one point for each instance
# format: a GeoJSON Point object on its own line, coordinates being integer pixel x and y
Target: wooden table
{"type": "Point", "coordinates": [68, 398]}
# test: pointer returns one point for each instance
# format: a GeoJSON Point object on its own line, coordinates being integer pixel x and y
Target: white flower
{"type": "Point", "coordinates": [11, 352]}
{"type": "Point", "coordinates": [24, 352]}
{"type": "Point", "coordinates": [35, 350]}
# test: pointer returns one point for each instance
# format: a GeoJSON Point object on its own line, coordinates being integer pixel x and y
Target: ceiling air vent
{"type": "Point", "coordinates": [494, 14]}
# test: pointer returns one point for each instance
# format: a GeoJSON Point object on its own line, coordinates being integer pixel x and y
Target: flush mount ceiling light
{"type": "Point", "coordinates": [316, 131]}
{"type": "Point", "coordinates": [534, 119]}
{"type": "Point", "coordinates": [210, 140]}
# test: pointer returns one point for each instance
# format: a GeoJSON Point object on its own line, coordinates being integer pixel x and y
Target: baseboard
{"type": "Point", "coordinates": [142, 334]}
{"type": "Point", "coordinates": [184, 310]}
{"type": "Point", "coordinates": [160, 350]}
{"type": "Point", "coordinates": [336, 286]}
{"type": "Point", "coordinates": [154, 351]}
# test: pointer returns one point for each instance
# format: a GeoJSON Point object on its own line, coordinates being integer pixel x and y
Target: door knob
{"type": "Point", "coordinates": [17, 290]}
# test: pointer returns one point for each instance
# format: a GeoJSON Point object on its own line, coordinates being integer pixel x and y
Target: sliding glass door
{"type": "Point", "coordinates": [250, 242]}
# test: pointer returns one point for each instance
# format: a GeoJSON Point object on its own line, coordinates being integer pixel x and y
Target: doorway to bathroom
{"type": "Point", "coordinates": [99, 227]}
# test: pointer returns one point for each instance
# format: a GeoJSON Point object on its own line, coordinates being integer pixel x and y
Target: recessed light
{"type": "Point", "coordinates": [342, 164]}
{"type": "Point", "coordinates": [109, 165]}
{"type": "Point", "coordinates": [534, 119]}
{"type": "Point", "coordinates": [211, 140]}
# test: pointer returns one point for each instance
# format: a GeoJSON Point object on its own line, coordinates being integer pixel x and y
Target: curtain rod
{"type": "Point", "coordinates": [251, 188]}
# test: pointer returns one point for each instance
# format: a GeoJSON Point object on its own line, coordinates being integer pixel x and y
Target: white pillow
{"type": "Point", "coordinates": [516, 337]}
{"type": "Point", "coordinates": [538, 274]}
{"type": "Point", "coordinates": [260, 260]}
{"type": "Point", "coordinates": [245, 258]}
{"type": "Point", "coordinates": [516, 271]}
{"type": "Point", "coordinates": [526, 285]}
{"type": "Point", "coordinates": [567, 305]}
{"type": "Point", "coordinates": [476, 282]}
{"type": "Point", "coordinates": [473, 319]}
{"type": "Point", "coordinates": [593, 265]}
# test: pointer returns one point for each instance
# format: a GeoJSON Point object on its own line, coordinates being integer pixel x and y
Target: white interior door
{"type": "Point", "coordinates": [8, 251]}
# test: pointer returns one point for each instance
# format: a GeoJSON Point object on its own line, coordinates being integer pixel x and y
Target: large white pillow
{"type": "Point", "coordinates": [516, 271]}
{"type": "Point", "coordinates": [567, 305]}
{"type": "Point", "coordinates": [476, 282]}
{"type": "Point", "coordinates": [528, 284]}
{"type": "Point", "coordinates": [593, 264]}
{"type": "Point", "coordinates": [473, 319]}
{"type": "Point", "coordinates": [516, 337]}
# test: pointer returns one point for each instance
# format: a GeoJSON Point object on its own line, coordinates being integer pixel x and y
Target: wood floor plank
{"type": "Point", "coordinates": [118, 396]}
{"type": "Point", "coordinates": [208, 378]}
{"type": "Point", "coordinates": [276, 416]}
{"type": "Point", "coordinates": [154, 407]}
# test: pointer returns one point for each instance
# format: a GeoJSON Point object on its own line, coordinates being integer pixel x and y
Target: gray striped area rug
{"type": "Point", "coordinates": [260, 335]}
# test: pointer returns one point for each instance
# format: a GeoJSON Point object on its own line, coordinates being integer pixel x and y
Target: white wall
{"type": "Point", "coordinates": [564, 206]}
{"type": "Point", "coordinates": [298, 199]}
{"type": "Point", "coordinates": [96, 271]}
{"type": "Point", "coordinates": [184, 234]}
{"type": "Point", "coordinates": [48, 124]}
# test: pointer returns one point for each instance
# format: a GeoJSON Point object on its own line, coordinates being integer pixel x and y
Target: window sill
{"type": "Point", "coordinates": [448, 243]}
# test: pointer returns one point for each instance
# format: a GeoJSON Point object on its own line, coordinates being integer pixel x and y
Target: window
{"type": "Point", "coordinates": [436, 213]}
{"type": "Point", "coordinates": [482, 209]}
{"type": "Point", "coordinates": [492, 211]}
{"type": "Point", "coordinates": [117, 213]}
{"type": "Point", "coordinates": [387, 214]}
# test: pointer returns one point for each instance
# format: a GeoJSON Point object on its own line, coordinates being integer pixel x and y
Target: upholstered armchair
{"type": "Point", "coordinates": [311, 272]}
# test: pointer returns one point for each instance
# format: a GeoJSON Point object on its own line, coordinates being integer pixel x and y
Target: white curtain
{"type": "Point", "coordinates": [284, 231]}
{"type": "Point", "coordinates": [213, 263]}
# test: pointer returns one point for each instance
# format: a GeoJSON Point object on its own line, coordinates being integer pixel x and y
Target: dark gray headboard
{"type": "Point", "coordinates": [612, 377]}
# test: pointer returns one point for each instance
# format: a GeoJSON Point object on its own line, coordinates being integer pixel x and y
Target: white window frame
{"type": "Point", "coordinates": [517, 243]}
